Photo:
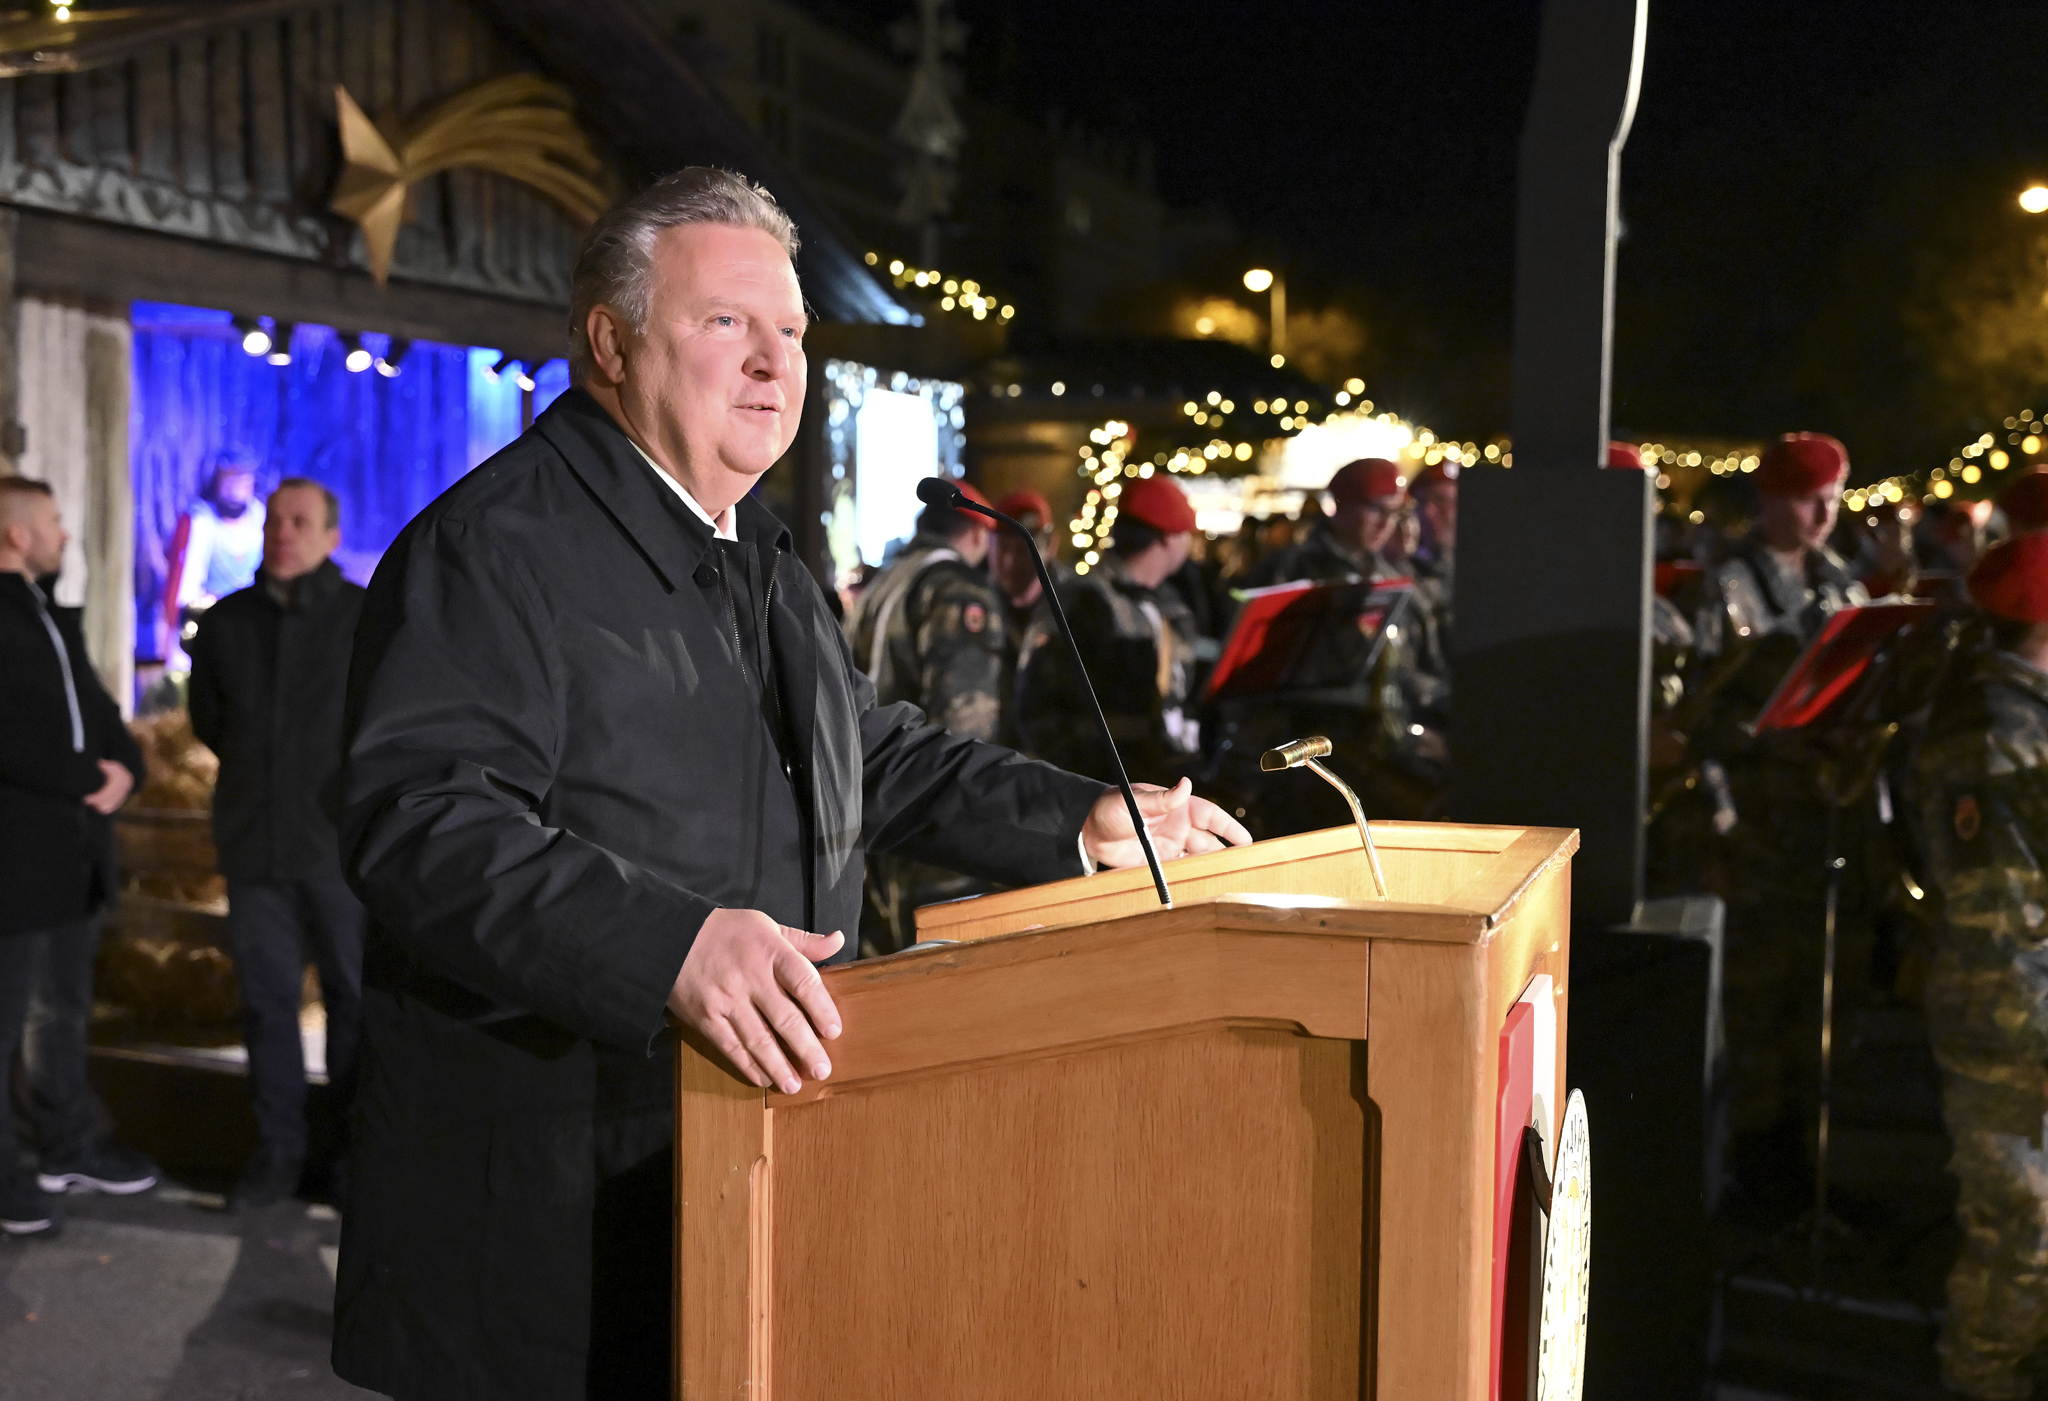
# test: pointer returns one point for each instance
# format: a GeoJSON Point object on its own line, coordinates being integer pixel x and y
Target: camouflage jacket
{"type": "Point", "coordinates": [1750, 618]}
{"type": "Point", "coordinates": [929, 630]}
{"type": "Point", "coordinates": [1139, 647]}
{"type": "Point", "coordinates": [1983, 788]}
{"type": "Point", "coordinates": [1751, 595]}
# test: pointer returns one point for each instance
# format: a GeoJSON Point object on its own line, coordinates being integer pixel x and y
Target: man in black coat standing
{"type": "Point", "coordinates": [269, 667]}
{"type": "Point", "coordinates": [66, 763]}
{"type": "Point", "coordinates": [608, 758]}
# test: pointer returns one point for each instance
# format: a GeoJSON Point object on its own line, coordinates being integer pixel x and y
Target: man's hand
{"type": "Point", "coordinates": [749, 981]}
{"type": "Point", "coordinates": [112, 793]}
{"type": "Point", "coordinates": [1180, 823]}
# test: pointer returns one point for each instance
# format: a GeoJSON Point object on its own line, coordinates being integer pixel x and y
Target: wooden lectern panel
{"type": "Point", "coordinates": [1239, 1148]}
{"type": "Point", "coordinates": [1173, 1216]}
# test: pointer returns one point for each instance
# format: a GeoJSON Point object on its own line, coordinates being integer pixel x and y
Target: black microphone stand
{"type": "Point", "coordinates": [936, 491]}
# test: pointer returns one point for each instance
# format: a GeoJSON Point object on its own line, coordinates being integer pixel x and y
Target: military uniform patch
{"type": "Point", "coordinates": [974, 617]}
{"type": "Point", "coordinates": [1967, 817]}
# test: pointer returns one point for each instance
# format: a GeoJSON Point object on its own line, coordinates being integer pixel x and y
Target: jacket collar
{"type": "Point", "coordinates": [18, 592]}
{"type": "Point", "coordinates": [1323, 540]}
{"type": "Point", "coordinates": [666, 533]}
{"type": "Point", "coordinates": [1822, 568]}
{"type": "Point", "coordinates": [309, 590]}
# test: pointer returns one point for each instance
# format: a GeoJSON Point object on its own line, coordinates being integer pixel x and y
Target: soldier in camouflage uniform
{"type": "Point", "coordinates": [1764, 603]}
{"type": "Point", "coordinates": [1983, 790]}
{"type": "Point", "coordinates": [930, 630]}
{"type": "Point", "coordinates": [1138, 641]}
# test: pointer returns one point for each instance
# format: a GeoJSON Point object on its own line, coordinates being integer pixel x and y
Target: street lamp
{"type": "Point", "coordinates": [2034, 199]}
{"type": "Point", "coordinates": [1258, 280]}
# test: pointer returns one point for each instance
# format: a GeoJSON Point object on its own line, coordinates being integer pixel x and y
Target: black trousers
{"type": "Point", "coordinates": [273, 925]}
{"type": "Point", "coordinates": [45, 1003]}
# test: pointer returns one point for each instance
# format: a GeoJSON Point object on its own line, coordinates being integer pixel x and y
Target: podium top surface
{"type": "Point", "coordinates": [1446, 882]}
{"type": "Point", "coordinates": [1281, 933]}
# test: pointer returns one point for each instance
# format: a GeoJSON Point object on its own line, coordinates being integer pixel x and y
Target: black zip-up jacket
{"type": "Point", "coordinates": [562, 753]}
{"type": "Point", "coordinates": [266, 690]}
{"type": "Point", "coordinates": [56, 854]}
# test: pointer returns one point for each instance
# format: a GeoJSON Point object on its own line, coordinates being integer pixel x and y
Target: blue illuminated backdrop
{"type": "Point", "coordinates": [385, 444]}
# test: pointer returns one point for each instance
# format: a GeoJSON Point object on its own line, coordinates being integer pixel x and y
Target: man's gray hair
{"type": "Point", "coordinates": [615, 264]}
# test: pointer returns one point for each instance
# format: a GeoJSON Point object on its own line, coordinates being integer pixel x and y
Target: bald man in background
{"type": "Point", "coordinates": [66, 763]}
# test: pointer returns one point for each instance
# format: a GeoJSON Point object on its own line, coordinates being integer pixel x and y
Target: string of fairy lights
{"type": "Point", "coordinates": [1974, 465]}
{"type": "Point", "coordinates": [2025, 431]}
{"type": "Point", "coordinates": [1109, 459]}
{"type": "Point", "coordinates": [1103, 462]}
{"type": "Point", "coordinates": [962, 295]}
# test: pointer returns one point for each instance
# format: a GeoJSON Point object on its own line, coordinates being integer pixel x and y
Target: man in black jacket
{"type": "Point", "coordinates": [269, 666]}
{"type": "Point", "coordinates": [608, 756]}
{"type": "Point", "coordinates": [66, 762]}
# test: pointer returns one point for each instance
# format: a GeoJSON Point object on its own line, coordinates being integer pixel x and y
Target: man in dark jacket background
{"type": "Point", "coordinates": [66, 763]}
{"type": "Point", "coordinates": [269, 666]}
{"type": "Point", "coordinates": [609, 757]}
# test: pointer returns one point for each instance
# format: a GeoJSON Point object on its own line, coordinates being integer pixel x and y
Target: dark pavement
{"type": "Point", "coordinates": [165, 1297]}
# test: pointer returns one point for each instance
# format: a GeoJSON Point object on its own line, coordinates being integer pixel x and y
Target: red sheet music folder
{"type": "Point", "coordinates": [1842, 655]}
{"type": "Point", "coordinates": [1305, 635]}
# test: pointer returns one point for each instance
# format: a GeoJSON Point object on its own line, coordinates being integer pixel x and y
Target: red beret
{"type": "Point", "coordinates": [1025, 502]}
{"type": "Point", "coordinates": [1799, 463]}
{"type": "Point", "coordinates": [1367, 479]}
{"type": "Point", "coordinates": [1435, 475]}
{"type": "Point", "coordinates": [2011, 581]}
{"type": "Point", "coordinates": [1156, 501]}
{"type": "Point", "coordinates": [2025, 500]}
{"type": "Point", "coordinates": [1626, 455]}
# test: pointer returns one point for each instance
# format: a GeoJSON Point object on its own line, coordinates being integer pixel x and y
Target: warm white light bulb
{"type": "Point", "coordinates": [1258, 280]}
{"type": "Point", "coordinates": [2034, 199]}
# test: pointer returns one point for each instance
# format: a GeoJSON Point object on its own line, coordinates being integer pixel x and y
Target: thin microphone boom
{"type": "Point", "coordinates": [937, 491]}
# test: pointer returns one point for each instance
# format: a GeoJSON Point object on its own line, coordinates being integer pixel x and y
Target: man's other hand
{"type": "Point", "coordinates": [1180, 823]}
{"type": "Point", "coordinates": [114, 791]}
{"type": "Point", "coordinates": [749, 987]}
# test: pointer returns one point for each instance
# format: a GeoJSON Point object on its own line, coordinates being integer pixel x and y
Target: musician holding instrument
{"type": "Point", "coordinates": [1762, 605]}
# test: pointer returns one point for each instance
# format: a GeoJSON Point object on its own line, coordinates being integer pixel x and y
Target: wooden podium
{"type": "Point", "coordinates": [1242, 1148]}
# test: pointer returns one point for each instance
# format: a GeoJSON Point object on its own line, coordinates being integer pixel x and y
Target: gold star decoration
{"type": "Point", "coordinates": [518, 126]}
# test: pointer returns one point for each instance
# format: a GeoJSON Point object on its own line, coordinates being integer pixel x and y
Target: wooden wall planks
{"type": "Point", "coordinates": [229, 136]}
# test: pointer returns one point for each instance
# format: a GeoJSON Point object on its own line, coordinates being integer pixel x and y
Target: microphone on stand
{"type": "Point", "coordinates": [937, 491]}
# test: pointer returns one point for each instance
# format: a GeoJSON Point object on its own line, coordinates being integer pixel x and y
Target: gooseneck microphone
{"type": "Point", "coordinates": [937, 491]}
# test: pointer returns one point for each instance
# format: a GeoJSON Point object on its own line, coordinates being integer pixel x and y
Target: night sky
{"type": "Point", "coordinates": [1792, 167]}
